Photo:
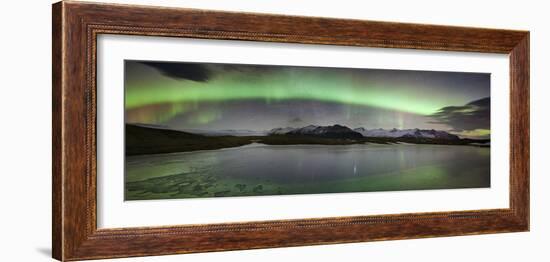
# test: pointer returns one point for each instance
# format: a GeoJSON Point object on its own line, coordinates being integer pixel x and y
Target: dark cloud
{"type": "Point", "coordinates": [474, 115]}
{"type": "Point", "coordinates": [203, 72]}
{"type": "Point", "coordinates": [182, 71]}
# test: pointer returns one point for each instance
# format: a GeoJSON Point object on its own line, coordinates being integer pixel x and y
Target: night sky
{"type": "Point", "coordinates": [259, 97]}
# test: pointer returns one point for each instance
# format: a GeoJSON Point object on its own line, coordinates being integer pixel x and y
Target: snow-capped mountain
{"type": "Point", "coordinates": [280, 130]}
{"type": "Point", "coordinates": [334, 131]}
{"type": "Point", "coordinates": [407, 133]}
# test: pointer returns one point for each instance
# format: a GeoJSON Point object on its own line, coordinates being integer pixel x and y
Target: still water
{"type": "Point", "coordinates": [259, 169]}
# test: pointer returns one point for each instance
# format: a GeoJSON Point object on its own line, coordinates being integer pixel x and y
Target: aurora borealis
{"type": "Point", "coordinates": [260, 97]}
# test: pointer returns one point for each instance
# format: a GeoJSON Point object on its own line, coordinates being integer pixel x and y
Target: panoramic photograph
{"type": "Point", "coordinates": [201, 130]}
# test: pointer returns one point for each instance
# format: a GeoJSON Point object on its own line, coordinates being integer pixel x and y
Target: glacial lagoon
{"type": "Point", "coordinates": [258, 169]}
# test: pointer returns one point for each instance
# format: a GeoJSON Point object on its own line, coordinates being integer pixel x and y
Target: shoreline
{"type": "Point", "coordinates": [257, 143]}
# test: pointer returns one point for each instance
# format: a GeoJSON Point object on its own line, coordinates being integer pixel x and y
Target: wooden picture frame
{"type": "Point", "coordinates": [76, 26]}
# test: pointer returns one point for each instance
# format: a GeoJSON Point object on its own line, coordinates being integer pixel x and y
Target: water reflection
{"type": "Point", "coordinates": [263, 170]}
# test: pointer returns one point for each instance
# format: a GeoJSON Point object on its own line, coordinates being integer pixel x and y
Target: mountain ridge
{"type": "Point", "coordinates": [340, 131]}
{"type": "Point", "coordinates": [334, 131]}
{"type": "Point", "coordinates": [141, 140]}
{"type": "Point", "coordinates": [406, 133]}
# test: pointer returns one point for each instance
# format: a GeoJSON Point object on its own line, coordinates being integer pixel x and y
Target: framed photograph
{"type": "Point", "coordinates": [180, 130]}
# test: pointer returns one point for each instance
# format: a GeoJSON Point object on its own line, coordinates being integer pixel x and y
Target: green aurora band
{"type": "Point", "coordinates": [287, 86]}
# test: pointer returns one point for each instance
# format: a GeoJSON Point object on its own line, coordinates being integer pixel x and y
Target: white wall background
{"type": "Point", "coordinates": [25, 119]}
